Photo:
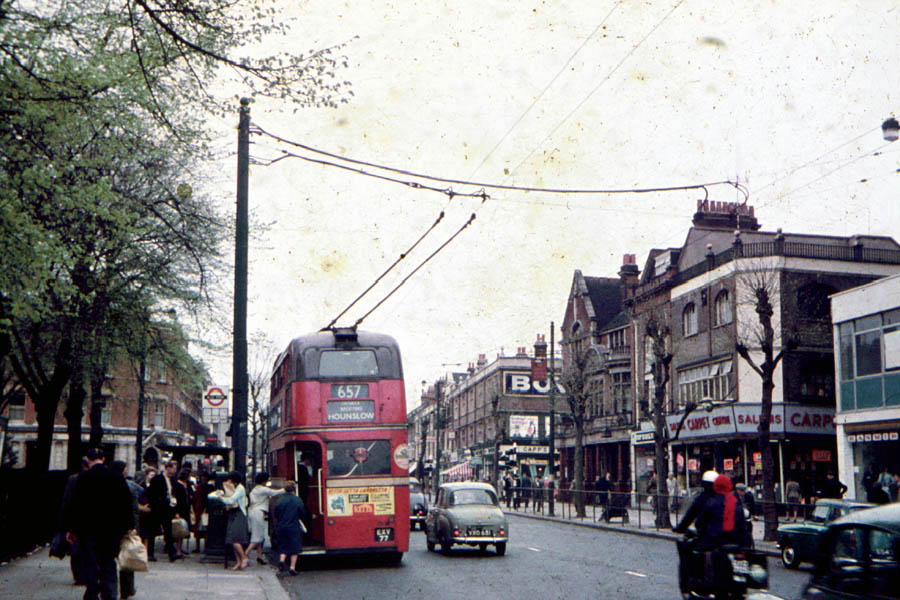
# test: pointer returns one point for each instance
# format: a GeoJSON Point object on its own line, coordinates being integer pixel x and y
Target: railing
{"type": "Point", "coordinates": [783, 248]}
{"type": "Point", "coordinates": [632, 509]}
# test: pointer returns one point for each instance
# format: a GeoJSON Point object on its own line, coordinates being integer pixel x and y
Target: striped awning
{"type": "Point", "coordinates": [461, 472]}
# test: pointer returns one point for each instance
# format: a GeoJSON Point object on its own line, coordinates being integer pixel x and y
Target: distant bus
{"type": "Point", "coordinates": [338, 411]}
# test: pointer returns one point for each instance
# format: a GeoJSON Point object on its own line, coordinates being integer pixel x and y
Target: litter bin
{"type": "Point", "coordinates": [215, 550]}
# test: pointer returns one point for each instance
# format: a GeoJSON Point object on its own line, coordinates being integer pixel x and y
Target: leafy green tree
{"type": "Point", "coordinates": [104, 104]}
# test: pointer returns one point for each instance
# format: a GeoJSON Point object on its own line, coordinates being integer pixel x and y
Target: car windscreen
{"type": "Point", "coordinates": [472, 496]}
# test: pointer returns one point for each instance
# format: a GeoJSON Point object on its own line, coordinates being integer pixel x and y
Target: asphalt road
{"type": "Point", "coordinates": [544, 560]}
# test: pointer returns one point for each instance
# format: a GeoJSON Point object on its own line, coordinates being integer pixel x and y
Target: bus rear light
{"type": "Point", "coordinates": [502, 532]}
{"type": "Point", "coordinates": [456, 533]}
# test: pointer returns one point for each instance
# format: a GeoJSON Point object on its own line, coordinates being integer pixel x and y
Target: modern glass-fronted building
{"type": "Point", "coordinates": [867, 350]}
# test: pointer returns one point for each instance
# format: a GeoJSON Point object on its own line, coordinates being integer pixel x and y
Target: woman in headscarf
{"type": "Point", "coordinates": [237, 531]}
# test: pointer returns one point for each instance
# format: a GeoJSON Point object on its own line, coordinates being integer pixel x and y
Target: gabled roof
{"type": "Point", "coordinates": [605, 294]}
{"type": "Point", "coordinates": [649, 271]}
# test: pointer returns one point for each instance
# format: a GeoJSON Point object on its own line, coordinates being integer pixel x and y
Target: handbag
{"type": "Point", "coordinates": [132, 553]}
{"type": "Point", "coordinates": [179, 529]}
{"type": "Point", "coordinates": [59, 545]}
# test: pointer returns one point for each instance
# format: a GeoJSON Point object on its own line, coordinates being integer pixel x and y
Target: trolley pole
{"type": "Point", "coordinates": [552, 460]}
{"type": "Point", "coordinates": [239, 358]}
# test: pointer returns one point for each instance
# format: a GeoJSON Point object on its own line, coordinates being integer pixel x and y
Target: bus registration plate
{"type": "Point", "coordinates": [384, 534]}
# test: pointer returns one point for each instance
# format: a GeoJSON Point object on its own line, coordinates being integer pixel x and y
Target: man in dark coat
{"type": "Point", "coordinates": [99, 514]}
{"type": "Point", "coordinates": [161, 494]}
{"type": "Point", "coordinates": [686, 546]}
{"type": "Point", "coordinates": [603, 486]}
{"type": "Point", "coordinates": [287, 512]}
{"type": "Point", "coordinates": [77, 560]}
{"type": "Point", "coordinates": [832, 487]}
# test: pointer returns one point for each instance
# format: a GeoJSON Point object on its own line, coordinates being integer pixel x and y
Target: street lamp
{"type": "Point", "coordinates": [890, 129]}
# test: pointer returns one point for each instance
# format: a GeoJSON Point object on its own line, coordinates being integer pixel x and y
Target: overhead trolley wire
{"type": "Point", "coordinates": [485, 185]}
{"type": "Point", "coordinates": [413, 272]}
{"type": "Point", "coordinates": [546, 87]}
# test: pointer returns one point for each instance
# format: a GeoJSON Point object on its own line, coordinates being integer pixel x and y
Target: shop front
{"type": "Point", "coordinates": [725, 438]}
{"type": "Point", "coordinates": [872, 447]}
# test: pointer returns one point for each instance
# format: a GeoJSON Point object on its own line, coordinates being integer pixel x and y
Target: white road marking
{"type": "Point", "coordinates": [533, 549]}
{"type": "Point", "coordinates": [635, 573]}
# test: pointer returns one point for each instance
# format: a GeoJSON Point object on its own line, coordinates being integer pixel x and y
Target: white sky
{"type": "Point", "coordinates": [787, 96]}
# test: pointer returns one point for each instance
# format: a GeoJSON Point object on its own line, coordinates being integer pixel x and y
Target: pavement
{"type": "Point", "coordinates": [641, 521]}
{"type": "Point", "coordinates": [41, 577]}
{"type": "Point", "coordinates": [38, 576]}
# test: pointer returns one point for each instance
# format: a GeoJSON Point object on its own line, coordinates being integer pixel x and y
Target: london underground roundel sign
{"type": "Point", "coordinates": [215, 397]}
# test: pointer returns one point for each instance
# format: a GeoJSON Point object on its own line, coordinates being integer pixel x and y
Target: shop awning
{"type": "Point", "coordinates": [460, 472]}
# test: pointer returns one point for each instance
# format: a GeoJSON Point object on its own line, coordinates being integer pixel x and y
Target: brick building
{"type": "Point", "coordinates": [172, 415]}
{"type": "Point", "coordinates": [596, 322]}
{"type": "Point", "coordinates": [705, 291]}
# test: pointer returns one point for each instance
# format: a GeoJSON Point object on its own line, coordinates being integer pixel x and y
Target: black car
{"type": "Point", "coordinates": [418, 505]}
{"type": "Point", "coordinates": [859, 557]}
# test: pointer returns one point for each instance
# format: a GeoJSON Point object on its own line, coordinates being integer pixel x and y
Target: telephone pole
{"type": "Point", "coordinates": [552, 460]}
{"type": "Point", "coordinates": [239, 365]}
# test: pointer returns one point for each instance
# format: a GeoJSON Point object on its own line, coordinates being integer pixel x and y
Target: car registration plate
{"type": "Point", "coordinates": [741, 567]}
{"type": "Point", "coordinates": [384, 534]}
{"type": "Point", "coordinates": [478, 532]}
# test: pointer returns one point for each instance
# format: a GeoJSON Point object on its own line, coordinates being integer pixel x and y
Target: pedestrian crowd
{"type": "Point", "coordinates": [104, 511]}
{"type": "Point", "coordinates": [522, 491]}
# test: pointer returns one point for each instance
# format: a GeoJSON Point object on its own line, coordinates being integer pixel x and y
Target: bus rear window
{"type": "Point", "coordinates": [351, 459]}
{"type": "Point", "coordinates": [348, 363]}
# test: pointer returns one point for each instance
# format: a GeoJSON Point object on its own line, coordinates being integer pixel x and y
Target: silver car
{"type": "Point", "coordinates": [466, 513]}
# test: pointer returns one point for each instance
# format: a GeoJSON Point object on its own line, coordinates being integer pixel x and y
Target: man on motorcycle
{"type": "Point", "coordinates": [686, 545]}
{"type": "Point", "coordinates": [706, 492]}
{"type": "Point", "coordinates": [721, 522]}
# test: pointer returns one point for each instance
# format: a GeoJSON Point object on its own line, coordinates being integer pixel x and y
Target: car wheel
{"type": "Point", "coordinates": [429, 544]}
{"type": "Point", "coordinates": [501, 548]}
{"type": "Point", "coordinates": [789, 557]}
{"type": "Point", "coordinates": [445, 543]}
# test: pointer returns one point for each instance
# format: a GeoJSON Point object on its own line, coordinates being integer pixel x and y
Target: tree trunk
{"type": "Point", "coordinates": [97, 405]}
{"type": "Point", "coordinates": [578, 475]}
{"type": "Point", "coordinates": [46, 405]}
{"type": "Point", "coordinates": [74, 413]}
{"type": "Point", "coordinates": [770, 510]}
{"type": "Point", "coordinates": [662, 461]}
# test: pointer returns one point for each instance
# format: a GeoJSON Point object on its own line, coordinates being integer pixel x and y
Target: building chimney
{"type": "Point", "coordinates": [628, 275]}
{"type": "Point", "coordinates": [540, 347]}
{"type": "Point", "coordinates": [482, 360]}
{"type": "Point", "coordinates": [730, 215]}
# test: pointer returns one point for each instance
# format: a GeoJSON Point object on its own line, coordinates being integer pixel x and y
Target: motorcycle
{"type": "Point", "coordinates": [726, 573]}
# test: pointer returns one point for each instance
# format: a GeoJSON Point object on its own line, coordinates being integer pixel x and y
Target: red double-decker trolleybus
{"type": "Point", "coordinates": [338, 412]}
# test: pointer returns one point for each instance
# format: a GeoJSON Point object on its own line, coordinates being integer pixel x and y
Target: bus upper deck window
{"type": "Point", "coordinates": [348, 363]}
